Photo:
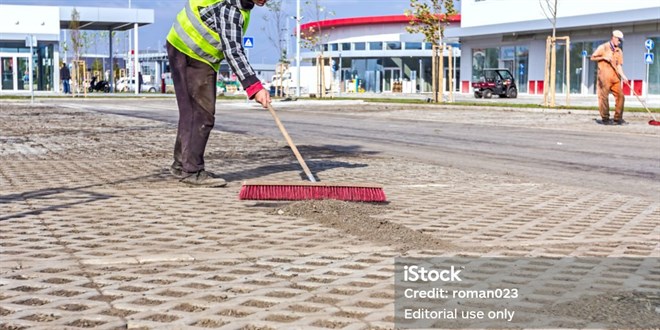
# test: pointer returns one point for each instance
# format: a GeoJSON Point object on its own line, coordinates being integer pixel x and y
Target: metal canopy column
{"type": "Point", "coordinates": [136, 62]}
{"type": "Point", "coordinates": [112, 66]}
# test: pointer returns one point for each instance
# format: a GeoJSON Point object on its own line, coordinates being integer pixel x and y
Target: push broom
{"type": "Point", "coordinates": [653, 121]}
{"type": "Point", "coordinates": [274, 190]}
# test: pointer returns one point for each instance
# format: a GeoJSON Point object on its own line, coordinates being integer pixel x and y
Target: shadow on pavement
{"type": "Point", "coordinates": [317, 158]}
{"type": "Point", "coordinates": [63, 197]}
{"type": "Point", "coordinates": [314, 166]}
{"type": "Point", "coordinates": [51, 194]}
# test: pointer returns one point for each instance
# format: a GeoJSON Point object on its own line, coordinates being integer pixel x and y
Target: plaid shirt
{"type": "Point", "coordinates": [226, 19]}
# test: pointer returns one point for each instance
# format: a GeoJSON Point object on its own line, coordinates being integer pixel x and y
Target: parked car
{"type": "Point", "coordinates": [128, 85]}
{"type": "Point", "coordinates": [495, 82]}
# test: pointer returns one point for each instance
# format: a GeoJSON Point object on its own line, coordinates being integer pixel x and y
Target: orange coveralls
{"type": "Point", "coordinates": [609, 81]}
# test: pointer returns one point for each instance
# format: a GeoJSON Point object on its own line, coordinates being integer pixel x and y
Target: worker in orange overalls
{"type": "Point", "coordinates": [610, 73]}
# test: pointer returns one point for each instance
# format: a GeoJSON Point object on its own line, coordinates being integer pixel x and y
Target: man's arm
{"type": "Point", "coordinates": [599, 55]}
{"type": "Point", "coordinates": [619, 68]}
{"type": "Point", "coordinates": [230, 26]}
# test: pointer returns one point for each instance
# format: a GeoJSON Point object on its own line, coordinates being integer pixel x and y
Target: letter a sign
{"type": "Point", "coordinates": [248, 42]}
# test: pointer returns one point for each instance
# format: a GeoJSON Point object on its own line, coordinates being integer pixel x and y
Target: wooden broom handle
{"type": "Point", "coordinates": [291, 145]}
{"type": "Point", "coordinates": [633, 92]}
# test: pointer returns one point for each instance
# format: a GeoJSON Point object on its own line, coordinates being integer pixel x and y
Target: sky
{"type": "Point", "coordinates": [150, 37]}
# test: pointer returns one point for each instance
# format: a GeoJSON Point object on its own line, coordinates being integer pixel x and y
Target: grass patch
{"type": "Point", "coordinates": [372, 100]}
{"type": "Point", "coordinates": [501, 105]}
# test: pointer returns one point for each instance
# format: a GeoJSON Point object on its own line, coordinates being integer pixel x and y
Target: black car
{"type": "Point", "coordinates": [495, 82]}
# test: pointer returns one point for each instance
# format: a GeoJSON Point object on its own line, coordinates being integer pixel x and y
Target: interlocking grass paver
{"type": "Point", "coordinates": [96, 233]}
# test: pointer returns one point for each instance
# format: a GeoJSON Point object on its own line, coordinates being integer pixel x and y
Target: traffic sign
{"type": "Point", "coordinates": [248, 42]}
{"type": "Point", "coordinates": [648, 58]}
{"type": "Point", "coordinates": [30, 41]}
{"type": "Point", "coordinates": [649, 44]}
{"type": "Point", "coordinates": [584, 53]}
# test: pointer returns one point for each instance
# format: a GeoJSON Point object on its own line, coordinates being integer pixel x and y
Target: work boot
{"type": "Point", "coordinates": [604, 121]}
{"type": "Point", "coordinates": [177, 170]}
{"type": "Point", "coordinates": [619, 122]}
{"type": "Point", "coordinates": [202, 178]}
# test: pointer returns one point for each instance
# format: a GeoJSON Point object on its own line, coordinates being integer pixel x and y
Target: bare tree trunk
{"type": "Point", "coordinates": [546, 78]}
{"type": "Point", "coordinates": [553, 72]}
{"type": "Point", "coordinates": [434, 70]}
{"type": "Point", "coordinates": [441, 73]}
{"type": "Point", "coordinates": [322, 76]}
{"type": "Point", "coordinates": [450, 76]}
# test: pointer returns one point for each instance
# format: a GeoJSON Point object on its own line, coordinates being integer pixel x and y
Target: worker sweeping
{"type": "Point", "coordinates": [610, 74]}
{"type": "Point", "coordinates": [206, 32]}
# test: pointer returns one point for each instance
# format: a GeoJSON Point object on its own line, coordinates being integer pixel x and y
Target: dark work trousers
{"type": "Point", "coordinates": [194, 85]}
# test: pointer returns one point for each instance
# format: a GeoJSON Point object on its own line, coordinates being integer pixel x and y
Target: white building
{"type": "Point", "coordinates": [512, 34]}
{"type": "Point", "coordinates": [377, 51]}
{"type": "Point", "coordinates": [45, 24]}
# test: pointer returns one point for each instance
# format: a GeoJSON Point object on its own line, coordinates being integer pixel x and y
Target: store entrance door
{"type": "Point", "coordinates": [390, 75]}
{"type": "Point", "coordinates": [14, 71]}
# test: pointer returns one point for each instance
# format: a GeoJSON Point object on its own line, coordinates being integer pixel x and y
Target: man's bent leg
{"type": "Point", "coordinates": [603, 101]}
{"type": "Point", "coordinates": [179, 66]}
{"type": "Point", "coordinates": [619, 101]}
{"type": "Point", "coordinates": [201, 87]}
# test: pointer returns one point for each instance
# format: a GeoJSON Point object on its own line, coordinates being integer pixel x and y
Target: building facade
{"type": "Point", "coordinates": [376, 53]}
{"type": "Point", "coordinates": [45, 23]}
{"type": "Point", "coordinates": [491, 36]}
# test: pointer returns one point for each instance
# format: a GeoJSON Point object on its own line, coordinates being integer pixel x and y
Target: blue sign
{"type": "Point", "coordinates": [248, 42]}
{"type": "Point", "coordinates": [648, 58]}
{"type": "Point", "coordinates": [649, 44]}
{"type": "Point", "coordinates": [584, 53]}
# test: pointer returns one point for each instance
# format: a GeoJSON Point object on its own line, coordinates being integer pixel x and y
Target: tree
{"type": "Point", "coordinates": [76, 47]}
{"type": "Point", "coordinates": [315, 37]}
{"type": "Point", "coordinates": [549, 8]}
{"type": "Point", "coordinates": [276, 28]}
{"type": "Point", "coordinates": [431, 21]}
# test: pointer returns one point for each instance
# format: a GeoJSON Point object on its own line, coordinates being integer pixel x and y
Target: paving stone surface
{"type": "Point", "coordinates": [95, 233]}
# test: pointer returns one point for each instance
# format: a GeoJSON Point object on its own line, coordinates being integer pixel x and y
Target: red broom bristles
{"type": "Point", "coordinates": [307, 191]}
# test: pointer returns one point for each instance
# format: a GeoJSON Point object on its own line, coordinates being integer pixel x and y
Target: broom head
{"type": "Point", "coordinates": [654, 122]}
{"type": "Point", "coordinates": [273, 190]}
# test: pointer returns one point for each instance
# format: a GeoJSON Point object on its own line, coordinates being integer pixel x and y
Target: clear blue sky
{"type": "Point", "coordinates": [166, 10]}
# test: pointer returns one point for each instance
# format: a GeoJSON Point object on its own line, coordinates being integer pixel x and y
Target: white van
{"type": "Point", "coordinates": [128, 85]}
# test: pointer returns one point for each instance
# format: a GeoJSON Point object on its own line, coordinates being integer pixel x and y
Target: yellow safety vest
{"type": "Point", "coordinates": [192, 37]}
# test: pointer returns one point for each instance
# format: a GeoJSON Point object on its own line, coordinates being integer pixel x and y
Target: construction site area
{"type": "Point", "coordinates": [96, 233]}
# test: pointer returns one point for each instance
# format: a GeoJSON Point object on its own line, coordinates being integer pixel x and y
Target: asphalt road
{"type": "Point", "coordinates": [621, 160]}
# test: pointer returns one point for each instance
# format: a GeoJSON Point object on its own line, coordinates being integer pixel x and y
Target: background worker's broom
{"type": "Point", "coordinates": [653, 121]}
{"type": "Point", "coordinates": [273, 190]}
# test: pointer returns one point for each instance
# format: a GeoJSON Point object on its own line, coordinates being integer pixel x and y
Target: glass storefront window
{"type": "Point", "coordinates": [346, 46]}
{"type": "Point", "coordinates": [394, 45]}
{"type": "Point", "coordinates": [654, 69]}
{"type": "Point", "coordinates": [23, 76]}
{"type": "Point", "coordinates": [521, 71]}
{"type": "Point", "coordinates": [334, 47]}
{"type": "Point", "coordinates": [413, 45]}
{"type": "Point", "coordinates": [483, 58]}
{"type": "Point", "coordinates": [376, 45]}
{"type": "Point", "coordinates": [513, 58]}
{"type": "Point", "coordinates": [7, 67]}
